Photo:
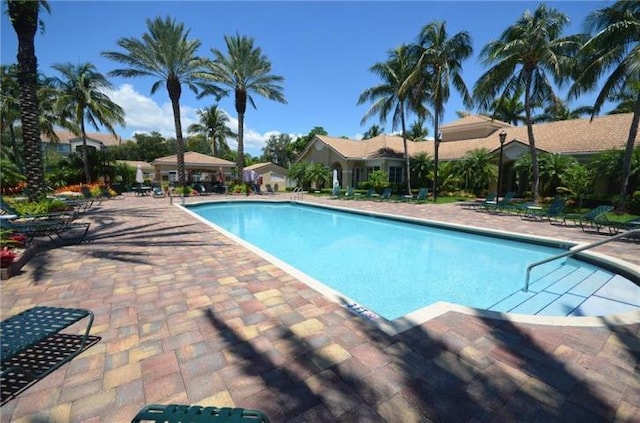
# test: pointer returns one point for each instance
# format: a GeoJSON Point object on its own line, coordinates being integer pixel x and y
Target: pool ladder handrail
{"type": "Point", "coordinates": [632, 233]}
{"type": "Point", "coordinates": [296, 194]}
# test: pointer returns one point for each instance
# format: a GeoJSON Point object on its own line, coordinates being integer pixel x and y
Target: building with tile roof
{"type": "Point", "coordinates": [579, 138]}
{"type": "Point", "coordinates": [199, 168]}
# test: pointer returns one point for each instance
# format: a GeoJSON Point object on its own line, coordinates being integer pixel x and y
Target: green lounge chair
{"type": "Point", "coordinates": [52, 228]}
{"type": "Point", "coordinates": [504, 204]}
{"type": "Point", "coordinates": [552, 213]}
{"type": "Point", "coordinates": [421, 197]}
{"type": "Point", "coordinates": [371, 193]}
{"type": "Point", "coordinates": [594, 218]}
{"type": "Point", "coordinates": [386, 195]}
{"type": "Point", "coordinates": [616, 226]}
{"type": "Point", "coordinates": [196, 414]}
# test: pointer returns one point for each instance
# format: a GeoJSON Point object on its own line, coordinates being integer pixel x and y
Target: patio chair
{"type": "Point", "coordinates": [386, 195]}
{"type": "Point", "coordinates": [197, 414]}
{"type": "Point", "coordinates": [88, 195]}
{"type": "Point", "coordinates": [553, 213]}
{"type": "Point", "coordinates": [504, 204]}
{"type": "Point", "coordinates": [371, 193]}
{"type": "Point", "coordinates": [421, 197]}
{"type": "Point", "coordinates": [105, 192]}
{"type": "Point", "coordinates": [157, 192]}
{"type": "Point", "coordinates": [52, 228]}
{"type": "Point", "coordinates": [479, 203]}
{"type": "Point", "coordinates": [270, 190]}
{"type": "Point", "coordinates": [65, 216]}
{"type": "Point", "coordinates": [594, 218]}
{"type": "Point", "coordinates": [615, 226]}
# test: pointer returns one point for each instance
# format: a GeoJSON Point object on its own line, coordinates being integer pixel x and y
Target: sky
{"type": "Point", "coordinates": [324, 51]}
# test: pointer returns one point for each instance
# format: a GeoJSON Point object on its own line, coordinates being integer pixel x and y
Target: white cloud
{"type": "Point", "coordinates": [144, 115]}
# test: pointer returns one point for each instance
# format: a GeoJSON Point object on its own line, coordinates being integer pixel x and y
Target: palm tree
{"type": "Point", "coordinates": [477, 169]}
{"type": "Point", "coordinates": [374, 131]}
{"type": "Point", "coordinates": [388, 97]}
{"type": "Point", "coordinates": [24, 15]}
{"type": "Point", "coordinates": [520, 60]}
{"type": "Point", "coordinates": [10, 107]}
{"type": "Point", "coordinates": [626, 98]}
{"type": "Point", "coordinates": [439, 63]}
{"type": "Point", "coordinates": [213, 125]}
{"type": "Point", "coordinates": [616, 47]}
{"type": "Point", "coordinates": [417, 130]}
{"type": "Point", "coordinates": [560, 111]}
{"type": "Point", "coordinates": [81, 99]}
{"type": "Point", "coordinates": [165, 53]}
{"type": "Point", "coordinates": [508, 109]}
{"type": "Point", "coordinates": [243, 70]}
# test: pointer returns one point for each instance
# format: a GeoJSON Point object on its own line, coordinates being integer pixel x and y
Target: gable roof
{"type": "Point", "coordinates": [191, 158]}
{"type": "Point", "coordinates": [578, 136]}
{"type": "Point", "coordinates": [68, 136]}
{"type": "Point", "coordinates": [266, 167]}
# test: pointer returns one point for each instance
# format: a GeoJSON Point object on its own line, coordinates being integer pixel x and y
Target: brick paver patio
{"type": "Point", "coordinates": [185, 315]}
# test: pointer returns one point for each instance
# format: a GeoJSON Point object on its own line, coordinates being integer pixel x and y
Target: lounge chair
{"type": "Point", "coordinates": [371, 193]}
{"type": "Point", "coordinates": [386, 195]}
{"type": "Point", "coordinates": [421, 197]}
{"type": "Point", "coordinates": [552, 213]}
{"type": "Point", "coordinates": [270, 190]}
{"type": "Point", "coordinates": [349, 195]}
{"type": "Point", "coordinates": [52, 228]}
{"type": "Point", "coordinates": [105, 192]}
{"type": "Point", "coordinates": [504, 204]}
{"type": "Point", "coordinates": [594, 218]}
{"type": "Point", "coordinates": [615, 226]}
{"type": "Point", "coordinates": [157, 192]}
{"type": "Point", "coordinates": [63, 216]}
{"type": "Point", "coordinates": [479, 203]}
{"type": "Point", "coordinates": [194, 413]}
{"type": "Point", "coordinates": [88, 195]}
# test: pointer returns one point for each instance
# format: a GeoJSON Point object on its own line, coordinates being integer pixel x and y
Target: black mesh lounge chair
{"type": "Point", "coordinates": [196, 414]}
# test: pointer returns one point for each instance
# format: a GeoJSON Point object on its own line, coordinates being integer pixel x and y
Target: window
{"type": "Point", "coordinates": [395, 174]}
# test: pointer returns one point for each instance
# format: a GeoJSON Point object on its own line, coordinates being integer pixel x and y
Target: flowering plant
{"type": "Point", "coordinates": [7, 257]}
{"type": "Point", "coordinates": [19, 240]}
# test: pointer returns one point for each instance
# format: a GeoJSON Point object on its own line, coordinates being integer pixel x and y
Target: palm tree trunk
{"type": "Point", "coordinates": [241, 107]}
{"type": "Point", "coordinates": [628, 153]}
{"type": "Point", "coordinates": [535, 185]}
{"type": "Point", "coordinates": [24, 17]}
{"type": "Point", "coordinates": [85, 152]}
{"type": "Point", "coordinates": [174, 89]}
{"type": "Point", "coordinates": [406, 150]}
{"type": "Point", "coordinates": [436, 141]}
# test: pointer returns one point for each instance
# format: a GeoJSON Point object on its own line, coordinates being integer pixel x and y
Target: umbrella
{"type": "Point", "coordinates": [139, 175]}
{"type": "Point", "coordinates": [335, 178]}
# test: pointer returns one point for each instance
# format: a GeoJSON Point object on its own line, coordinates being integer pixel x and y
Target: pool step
{"type": "Point", "coordinates": [572, 290]}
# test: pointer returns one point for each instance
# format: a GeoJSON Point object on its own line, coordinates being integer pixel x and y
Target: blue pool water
{"type": "Point", "coordinates": [388, 266]}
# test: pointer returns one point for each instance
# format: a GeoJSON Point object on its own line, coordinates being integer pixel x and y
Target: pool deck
{"type": "Point", "coordinates": [186, 315]}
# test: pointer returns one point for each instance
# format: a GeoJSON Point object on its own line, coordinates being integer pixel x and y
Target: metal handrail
{"type": "Point", "coordinates": [575, 251]}
{"type": "Point", "coordinates": [296, 193]}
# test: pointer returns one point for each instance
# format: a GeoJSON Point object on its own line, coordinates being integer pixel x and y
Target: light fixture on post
{"type": "Point", "coordinates": [503, 138]}
{"type": "Point", "coordinates": [437, 141]}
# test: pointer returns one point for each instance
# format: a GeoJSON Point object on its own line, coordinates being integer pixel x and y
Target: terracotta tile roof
{"type": "Point", "coordinates": [579, 136]}
{"type": "Point", "coordinates": [67, 136]}
{"type": "Point", "coordinates": [194, 159]}
{"type": "Point", "coordinates": [135, 163]}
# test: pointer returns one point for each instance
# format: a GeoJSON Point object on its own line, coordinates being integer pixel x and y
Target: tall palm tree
{"type": "Point", "coordinates": [614, 47]}
{"type": "Point", "coordinates": [439, 64]}
{"type": "Point", "coordinates": [213, 125]}
{"type": "Point", "coordinates": [24, 16]}
{"type": "Point", "coordinates": [521, 59]}
{"type": "Point", "coordinates": [165, 52]}
{"type": "Point", "coordinates": [243, 70]}
{"type": "Point", "coordinates": [508, 109]}
{"type": "Point", "coordinates": [389, 98]}
{"type": "Point", "coordinates": [81, 99]}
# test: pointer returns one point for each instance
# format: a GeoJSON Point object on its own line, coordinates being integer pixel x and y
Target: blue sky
{"type": "Point", "coordinates": [323, 50]}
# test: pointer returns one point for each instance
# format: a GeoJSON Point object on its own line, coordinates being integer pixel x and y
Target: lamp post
{"type": "Point", "coordinates": [503, 137]}
{"type": "Point", "coordinates": [437, 141]}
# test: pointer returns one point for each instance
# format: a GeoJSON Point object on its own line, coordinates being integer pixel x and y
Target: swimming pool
{"type": "Point", "coordinates": [395, 267]}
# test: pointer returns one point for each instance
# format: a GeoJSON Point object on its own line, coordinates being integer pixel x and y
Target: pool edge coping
{"type": "Point", "coordinates": [423, 315]}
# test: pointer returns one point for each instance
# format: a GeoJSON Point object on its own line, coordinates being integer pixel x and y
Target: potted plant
{"type": "Point", "coordinates": [7, 257]}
